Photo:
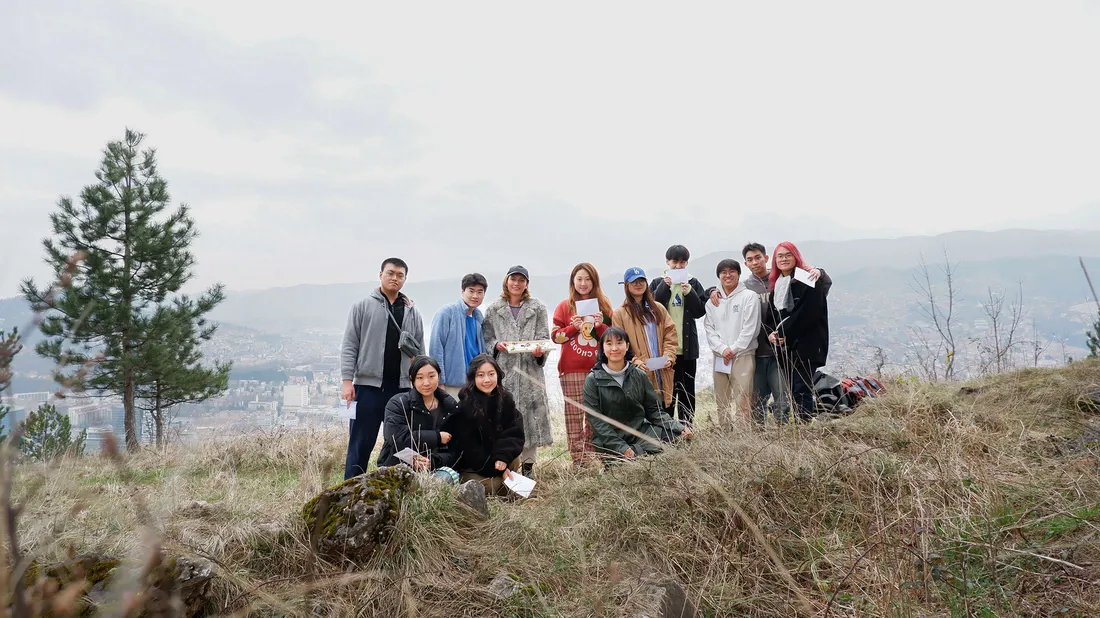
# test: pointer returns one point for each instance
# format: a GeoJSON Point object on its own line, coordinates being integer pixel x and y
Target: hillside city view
{"type": "Point", "coordinates": [286, 376]}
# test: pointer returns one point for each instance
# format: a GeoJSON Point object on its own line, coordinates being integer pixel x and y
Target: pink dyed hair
{"type": "Point", "coordinates": [798, 262]}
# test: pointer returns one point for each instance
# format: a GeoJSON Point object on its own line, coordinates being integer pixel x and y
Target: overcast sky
{"type": "Point", "coordinates": [313, 139]}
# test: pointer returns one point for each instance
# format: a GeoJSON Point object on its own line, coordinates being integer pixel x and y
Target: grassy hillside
{"type": "Point", "coordinates": [929, 501]}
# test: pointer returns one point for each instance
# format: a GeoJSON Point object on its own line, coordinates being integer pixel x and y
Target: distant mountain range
{"type": "Point", "coordinates": [872, 291]}
{"type": "Point", "coordinates": [864, 267]}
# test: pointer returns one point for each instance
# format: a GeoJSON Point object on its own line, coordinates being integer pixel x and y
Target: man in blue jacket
{"type": "Point", "coordinates": [456, 334]}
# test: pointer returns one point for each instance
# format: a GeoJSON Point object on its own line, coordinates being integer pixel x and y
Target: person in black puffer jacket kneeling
{"type": "Point", "coordinates": [489, 428]}
{"type": "Point", "coordinates": [421, 419]}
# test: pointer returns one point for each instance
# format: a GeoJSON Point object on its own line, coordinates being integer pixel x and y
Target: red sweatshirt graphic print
{"type": "Point", "coordinates": [578, 346]}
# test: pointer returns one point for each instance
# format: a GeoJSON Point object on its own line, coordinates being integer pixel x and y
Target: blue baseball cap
{"type": "Point", "coordinates": [633, 274]}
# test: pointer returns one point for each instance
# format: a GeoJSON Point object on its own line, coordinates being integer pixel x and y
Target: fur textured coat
{"type": "Point", "coordinates": [530, 394]}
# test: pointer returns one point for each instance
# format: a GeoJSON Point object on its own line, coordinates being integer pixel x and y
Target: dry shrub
{"type": "Point", "coordinates": [929, 500]}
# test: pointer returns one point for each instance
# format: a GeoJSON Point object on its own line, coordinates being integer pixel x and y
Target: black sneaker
{"type": "Point", "coordinates": [528, 470]}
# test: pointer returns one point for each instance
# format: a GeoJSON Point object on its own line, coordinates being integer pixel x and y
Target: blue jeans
{"type": "Point", "coordinates": [768, 382]}
{"type": "Point", "coordinates": [370, 409]}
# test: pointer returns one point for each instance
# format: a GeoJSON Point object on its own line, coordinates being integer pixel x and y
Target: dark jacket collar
{"type": "Point", "coordinates": [377, 293]}
{"type": "Point", "coordinates": [446, 403]}
{"type": "Point", "coordinates": [606, 379]}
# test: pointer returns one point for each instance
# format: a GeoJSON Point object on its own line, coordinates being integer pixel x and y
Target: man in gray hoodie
{"type": "Point", "coordinates": [372, 366]}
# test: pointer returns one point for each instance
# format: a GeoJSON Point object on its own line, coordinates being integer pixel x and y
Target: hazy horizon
{"type": "Point", "coordinates": [310, 148]}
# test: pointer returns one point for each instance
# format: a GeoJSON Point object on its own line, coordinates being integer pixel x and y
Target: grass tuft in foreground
{"type": "Point", "coordinates": [936, 499]}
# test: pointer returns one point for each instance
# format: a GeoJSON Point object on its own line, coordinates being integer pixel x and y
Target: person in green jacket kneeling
{"type": "Point", "coordinates": [617, 388]}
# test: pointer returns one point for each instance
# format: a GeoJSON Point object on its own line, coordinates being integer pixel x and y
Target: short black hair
{"type": "Point", "coordinates": [421, 362]}
{"type": "Point", "coordinates": [614, 333]}
{"type": "Point", "coordinates": [679, 253]}
{"type": "Point", "coordinates": [398, 262]}
{"type": "Point", "coordinates": [753, 246]}
{"type": "Point", "coordinates": [728, 264]}
{"type": "Point", "coordinates": [473, 279]}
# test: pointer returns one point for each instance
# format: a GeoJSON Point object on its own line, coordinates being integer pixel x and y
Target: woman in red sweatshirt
{"type": "Point", "coordinates": [579, 336]}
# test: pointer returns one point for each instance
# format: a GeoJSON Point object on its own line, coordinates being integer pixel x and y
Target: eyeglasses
{"type": "Point", "coordinates": [784, 256]}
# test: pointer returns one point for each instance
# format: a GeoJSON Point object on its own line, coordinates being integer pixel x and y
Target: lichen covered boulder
{"type": "Point", "coordinates": [351, 519]}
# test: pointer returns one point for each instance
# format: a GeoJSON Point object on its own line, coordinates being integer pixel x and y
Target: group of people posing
{"type": "Point", "coordinates": [477, 406]}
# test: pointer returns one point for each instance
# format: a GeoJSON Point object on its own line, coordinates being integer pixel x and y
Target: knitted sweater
{"type": "Point", "coordinates": [578, 347]}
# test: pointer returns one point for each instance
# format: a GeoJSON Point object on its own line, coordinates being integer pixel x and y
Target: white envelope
{"type": "Point", "coordinates": [520, 484]}
{"type": "Point", "coordinates": [656, 363]}
{"type": "Point", "coordinates": [721, 366]}
{"type": "Point", "coordinates": [678, 275]}
{"type": "Point", "coordinates": [588, 307]}
{"type": "Point", "coordinates": [803, 275]}
{"type": "Point", "coordinates": [345, 411]}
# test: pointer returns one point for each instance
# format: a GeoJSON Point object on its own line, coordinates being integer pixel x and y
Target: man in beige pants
{"type": "Point", "coordinates": [732, 328]}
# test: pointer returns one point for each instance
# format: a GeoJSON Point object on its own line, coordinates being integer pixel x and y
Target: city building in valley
{"type": "Point", "coordinates": [295, 396]}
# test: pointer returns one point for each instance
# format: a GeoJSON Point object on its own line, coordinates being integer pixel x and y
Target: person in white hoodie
{"type": "Point", "coordinates": [732, 328]}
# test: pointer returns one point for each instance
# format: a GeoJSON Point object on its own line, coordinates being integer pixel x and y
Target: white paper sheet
{"type": "Point", "coordinates": [519, 484]}
{"type": "Point", "coordinates": [656, 363]}
{"type": "Point", "coordinates": [406, 455]}
{"type": "Point", "coordinates": [678, 275]}
{"type": "Point", "coordinates": [347, 413]}
{"type": "Point", "coordinates": [721, 366]}
{"type": "Point", "coordinates": [803, 275]}
{"type": "Point", "coordinates": [588, 307]}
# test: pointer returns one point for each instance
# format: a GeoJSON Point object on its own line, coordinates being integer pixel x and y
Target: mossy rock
{"type": "Point", "coordinates": [176, 585]}
{"type": "Point", "coordinates": [350, 520]}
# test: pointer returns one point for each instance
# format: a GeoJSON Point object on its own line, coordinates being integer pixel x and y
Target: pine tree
{"type": "Point", "coordinates": [135, 254]}
{"type": "Point", "coordinates": [47, 435]}
{"type": "Point", "coordinates": [171, 373]}
{"type": "Point", "coordinates": [9, 347]}
{"type": "Point", "coordinates": [1094, 337]}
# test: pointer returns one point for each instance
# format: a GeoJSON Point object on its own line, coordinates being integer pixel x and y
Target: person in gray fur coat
{"type": "Point", "coordinates": [518, 317]}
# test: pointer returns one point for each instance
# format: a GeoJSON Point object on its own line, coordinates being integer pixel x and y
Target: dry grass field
{"type": "Point", "coordinates": [980, 499]}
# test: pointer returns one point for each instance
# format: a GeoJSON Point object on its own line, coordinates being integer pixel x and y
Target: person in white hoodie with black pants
{"type": "Point", "coordinates": [732, 328]}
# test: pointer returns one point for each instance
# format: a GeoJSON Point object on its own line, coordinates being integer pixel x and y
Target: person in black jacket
{"type": "Point", "coordinates": [685, 303]}
{"type": "Point", "coordinates": [797, 320]}
{"type": "Point", "coordinates": [489, 429]}
{"type": "Point", "coordinates": [421, 419]}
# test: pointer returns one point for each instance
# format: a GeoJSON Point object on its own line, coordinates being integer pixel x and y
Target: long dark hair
{"type": "Point", "coordinates": [597, 293]}
{"type": "Point", "coordinates": [641, 312]}
{"type": "Point", "coordinates": [614, 333]}
{"type": "Point", "coordinates": [471, 395]}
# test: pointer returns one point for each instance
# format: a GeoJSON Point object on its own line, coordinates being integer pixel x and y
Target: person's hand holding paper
{"type": "Point", "coordinates": [590, 306]}
{"type": "Point", "coordinates": [678, 275]}
{"type": "Point", "coordinates": [656, 363]}
{"type": "Point", "coordinates": [804, 276]}
{"type": "Point", "coordinates": [519, 484]}
{"type": "Point", "coordinates": [721, 365]}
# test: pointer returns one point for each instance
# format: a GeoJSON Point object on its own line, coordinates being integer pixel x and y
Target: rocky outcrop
{"type": "Point", "coordinates": [350, 520]}
{"type": "Point", "coordinates": [657, 596]}
{"type": "Point", "coordinates": [164, 586]}
{"type": "Point", "coordinates": [472, 494]}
